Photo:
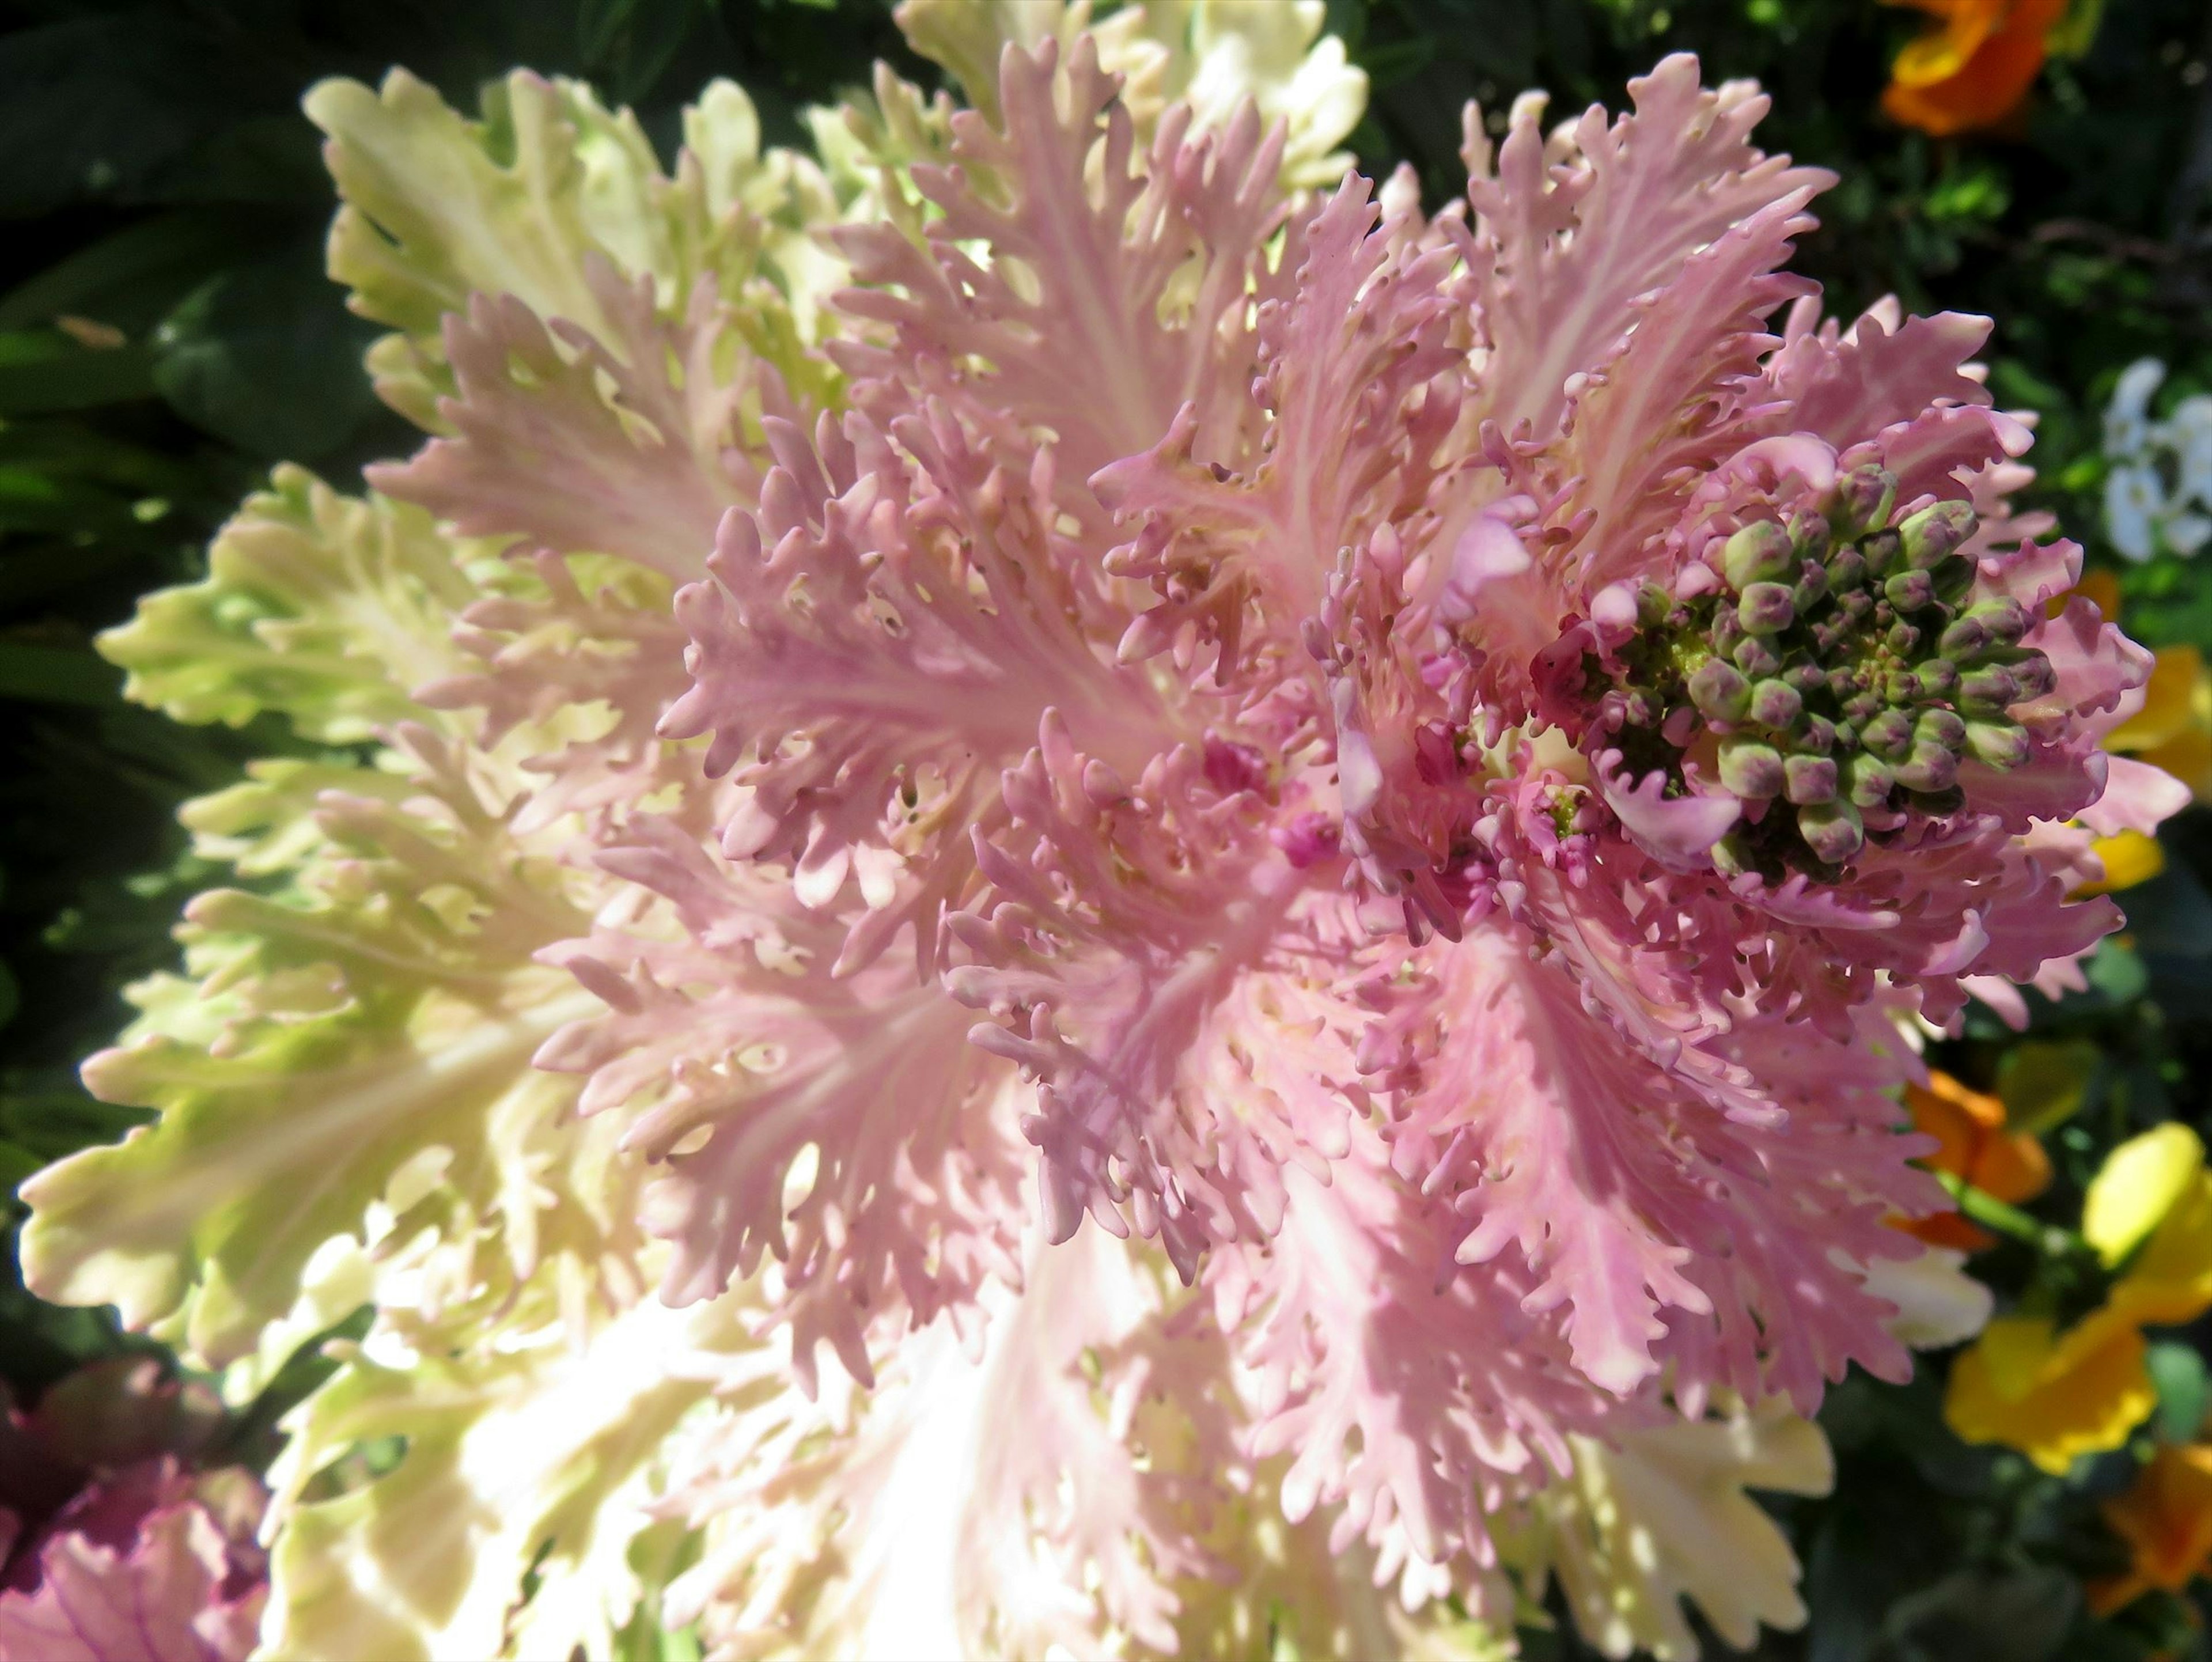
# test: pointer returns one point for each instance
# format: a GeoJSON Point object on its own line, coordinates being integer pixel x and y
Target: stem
{"type": "Point", "coordinates": [1986, 1209]}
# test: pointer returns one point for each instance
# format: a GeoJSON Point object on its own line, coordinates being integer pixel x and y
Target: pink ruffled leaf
{"type": "Point", "coordinates": [1570, 232]}
{"type": "Point", "coordinates": [873, 645]}
{"type": "Point", "coordinates": [737, 1056]}
{"type": "Point", "coordinates": [628, 446]}
{"type": "Point", "coordinates": [1116, 284]}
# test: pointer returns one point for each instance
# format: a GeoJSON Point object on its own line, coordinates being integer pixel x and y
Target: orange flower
{"type": "Point", "coordinates": [2165, 1518]}
{"type": "Point", "coordinates": [1972, 1144]}
{"type": "Point", "coordinates": [1973, 69]}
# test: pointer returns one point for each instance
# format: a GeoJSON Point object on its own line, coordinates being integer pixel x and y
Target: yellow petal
{"type": "Point", "coordinates": [2168, 705]}
{"type": "Point", "coordinates": [2100, 588]}
{"type": "Point", "coordinates": [2014, 1350]}
{"type": "Point", "coordinates": [2129, 858]}
{"type": "Point", "coordinates": [1941, 53]}
{"type": "Point", "coordinates": [2188, 756]}
{"type": "Point", "coordinates": [2137, 1187]}
{"type": "Point", "coordinates": [2170, 1281]}
{"type": "Point", "coordinates": [2052, 1401]}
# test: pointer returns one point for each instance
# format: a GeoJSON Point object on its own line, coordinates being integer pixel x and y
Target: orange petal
{"type": "Point", "coordinates": [2013, 1167]}
{"type": "Point", "coordinates": [2109, 1595]}
{"type": "Point", "coordinates": [1950, 1229]}
{"type": "Point", "coordinates": [1958, 1133]}
{"type": "Point", "coordinates": [1936, 90]}
{"type": "Point", "coordinates": [2169, 1282]}
{"type": "Point", "coordinates": [2165, 1517]}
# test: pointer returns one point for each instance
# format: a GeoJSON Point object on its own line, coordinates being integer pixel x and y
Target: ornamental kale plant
{"type": "Point", "coordinates": [1067, 885]}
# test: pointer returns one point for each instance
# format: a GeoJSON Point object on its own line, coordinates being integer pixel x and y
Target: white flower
{"type": "Point", "coordinates": [2135, 500]}
{"type": "Point", "coordinates": [1938, 1303]}
{"type": "Point", "coordinates": [2186, 533]}
{"type": "Point", "coordinates": [2127, 424]}
{"type": "Point", "coordinates": [2190, 434]}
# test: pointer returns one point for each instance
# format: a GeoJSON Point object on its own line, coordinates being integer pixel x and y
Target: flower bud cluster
{"type": "Point", "coordinates": [1833, 674]}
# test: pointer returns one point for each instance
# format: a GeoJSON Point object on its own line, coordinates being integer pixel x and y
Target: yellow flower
{"type": "Point", "coordinates": [2136, 1187]}
{"type": "Point", "coordinates": [2165, 1518]}
{"type": "Point", "coordinates": [2173, 728]}
{"type": "Point", "coordinates": [2099, 587]}
{"type": "Point", "coordinates": [2056, 1394]}
{"type": "Point", "coordinates": [2172, 731]}
{"type": "Point", "coordinates": [2129, 858]}
{"type": "Point", "coordinates": [2052, 1397]}
{"type": "Point", "coordinates": [1973, 68]}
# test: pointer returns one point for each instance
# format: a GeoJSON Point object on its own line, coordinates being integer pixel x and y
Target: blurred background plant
{"type": "Point", "coordinates": [166, 335]}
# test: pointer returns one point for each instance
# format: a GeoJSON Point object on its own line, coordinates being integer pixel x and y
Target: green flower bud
{"type": "Point", "coordinates": [1889, 734]}
{"type": "Point", "coordinates": [1929, 767]}
{"type": "Point", "coordinates": [1939, 727]}
{"type": "Point", "coordinates": [1966, 636]}
{"type": "Point", "coordinates": [2000, 745]}
{"type": "Point", "coordinates": [1757, 553]}
{"type": "Point", "coordinates": [1775, 704]}
{"type": "Point", "coordinates": [1862, 501]}
{"type": "Point", "coordinates": [1750, 770]}
{"type": "Point", "coordinates": [1808, 778]}
{"type": "Point", "coordinates": [1909, 591]}
{"type": "Point", "coordinates": [2035, 676]}
{"type": "Point", "coordinates": [1953, 575]}
{"type": "Point", "coordinates": [1753, 656]}
{"type": "Point", "coordinates": [2004, 619]}
{"type": "Point", "coordinates": [1765, 608]}
{"type": "Point", "coordinates": [1870, 780]}
{"type": "Point", "coordinates": [1932, 532]}
{"type": "Point", "coordinates": [1719, 692]}
{"type": "Point", "coordinates": [1810, 588]}
{"type": "Point", "coordinates": [1832, 831]}
{"type": "Point", "coordinates": [1989, 686]}
{"type": "Point", "coordinates": [1842, 668]}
